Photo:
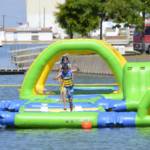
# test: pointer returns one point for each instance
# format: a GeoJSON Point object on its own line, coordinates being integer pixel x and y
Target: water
{"type": "Point", "coordinates": [66, 139]}
{"type": "Point", "coordinates": [5, 55]}
{"type": "Point", "coordinates": [77, 139]}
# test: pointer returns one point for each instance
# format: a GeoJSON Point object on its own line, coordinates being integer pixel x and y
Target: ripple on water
{"type": "Point", "coordinates": [68, 139]}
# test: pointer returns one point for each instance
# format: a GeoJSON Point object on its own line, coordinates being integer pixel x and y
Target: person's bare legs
{"type": "Point", "coordinates": [69, 94]}
{"type": "Point", "coordinates": [64, 98]}
{"type": "Point", "coordinates": [71, 104]}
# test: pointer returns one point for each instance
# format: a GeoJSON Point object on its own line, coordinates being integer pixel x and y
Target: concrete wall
{"type": "Point", "coordinates": [25, 36]}
{"type": "Point", "coordinates": [2, 37]}
{"type": "Point", "coordinates": [45, 37]}
{"type": "Point", "coordinates": [91, 64]}
{"type": "Point", "coordinates": [9, 36]}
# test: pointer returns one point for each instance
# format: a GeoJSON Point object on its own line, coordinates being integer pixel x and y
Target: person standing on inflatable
{"type": "Point", "coordinates": [64, 60]}
{"type": "Point", "coordinates": [66, 76]}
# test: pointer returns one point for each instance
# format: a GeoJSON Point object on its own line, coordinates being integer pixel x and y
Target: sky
{"type": "Point", "coordinates": [14, 11]}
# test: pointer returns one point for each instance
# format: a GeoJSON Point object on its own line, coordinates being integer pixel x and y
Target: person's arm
{"type": "Point", "coordinates": [75, 68]}
{"type": "Point", "coordinates": [58, 76]}
{"type": "Point", "coordinates": [59, 69]}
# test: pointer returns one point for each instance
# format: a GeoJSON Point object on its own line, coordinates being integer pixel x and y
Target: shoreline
{"type": "Point", "coordinates": [87, 64]}
{"type": "Point", "coordinates": [100, 66]}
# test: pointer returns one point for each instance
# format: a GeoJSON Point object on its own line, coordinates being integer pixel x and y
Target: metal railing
{"type": "Point", "coordinates": [22, 58]}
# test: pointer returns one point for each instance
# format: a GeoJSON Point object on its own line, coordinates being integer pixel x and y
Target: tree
{"type": "Point", "coordinates": [144, 9]}
{"type": "Point", "coordinates": [128, 12]}
{"type": "Point", "coordinates": [79, 16]}
{"type": "Point", "coordinates": [103, 15]}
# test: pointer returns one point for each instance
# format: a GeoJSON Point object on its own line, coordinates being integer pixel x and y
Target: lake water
{"type": "Point", "coordinates": [5, 53]}
{"type": "Point", "coordinates": [69, 139]}
{"type": "Point", "coordinates": [65, 139]}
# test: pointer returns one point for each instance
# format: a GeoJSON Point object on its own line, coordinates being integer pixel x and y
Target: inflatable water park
{"type": "Point", "coordinates": [126, 105]}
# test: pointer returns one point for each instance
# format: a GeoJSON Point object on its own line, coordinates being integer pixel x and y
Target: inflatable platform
{"type": "Point", "coordinates": [127, 104]}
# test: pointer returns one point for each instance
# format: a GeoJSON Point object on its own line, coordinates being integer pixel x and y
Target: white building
{"type": "Point", "coordinates": [41, 13]}
{"type": "Point", "coordinates": [15, 35]}
{"type": "Point", "coordinates": [40, 23]}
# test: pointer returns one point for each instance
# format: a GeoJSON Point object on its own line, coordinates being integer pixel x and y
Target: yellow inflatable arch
{"type": "Point", "coordinates": [35, 79]}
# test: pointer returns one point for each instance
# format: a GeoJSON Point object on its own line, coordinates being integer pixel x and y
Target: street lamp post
{"type": "Point", "coordinates": [101, 29]}
{"type": "Point", "coordinates": [3, 18]}
{"type": "Point", "coordinates": [101, 16]}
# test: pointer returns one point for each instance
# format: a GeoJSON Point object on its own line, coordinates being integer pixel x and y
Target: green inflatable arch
{"type": "Point", "coordinates": [115, 61]}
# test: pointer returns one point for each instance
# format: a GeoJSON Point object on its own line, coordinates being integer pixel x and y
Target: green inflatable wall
{"type": "Point", "coordinates": [136, 82]}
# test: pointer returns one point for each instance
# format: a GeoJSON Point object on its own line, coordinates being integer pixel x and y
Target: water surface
{"type": "Point", "coordinates": [69, 139]}
{"type": "Point", "coordinates": [64, 139]}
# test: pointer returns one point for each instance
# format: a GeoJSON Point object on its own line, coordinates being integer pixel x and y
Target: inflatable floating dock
{"type": "Point", "coordinates": [125, 105]}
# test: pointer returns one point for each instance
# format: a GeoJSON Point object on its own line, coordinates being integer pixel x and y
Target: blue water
{"type": "Point", "coordinates": [69, 139]}
{"type": "Point", "coordinates": [77, 139]}
{"type": "Point", "coordinates": [5, 55]}
{"type": "Point", "coordinates": [65, 139]}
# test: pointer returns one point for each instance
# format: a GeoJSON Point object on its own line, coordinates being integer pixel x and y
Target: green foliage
{"type": "Point", "coordinates": [128, 11]}
{"type": "Point", "coordinates": [83, 16]}
{"type": "Point", "coordinates": [20, 65]}
{"type": "Point", "coordinates": [78, 16]}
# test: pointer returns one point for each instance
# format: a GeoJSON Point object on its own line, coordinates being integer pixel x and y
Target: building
{"type": "Point", "coordinates": [40, 23]}
{"type": "Point", "coordinates": [25, 35]}
{"type": "Point", "coordinates": [41, 14]}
